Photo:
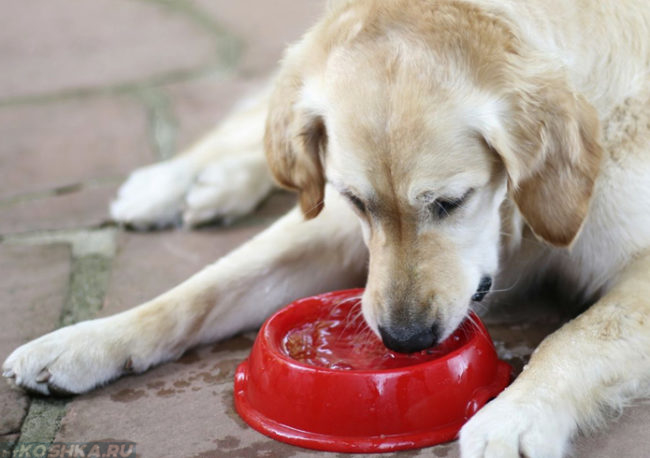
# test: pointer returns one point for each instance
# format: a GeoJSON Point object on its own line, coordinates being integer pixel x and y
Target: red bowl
{"type": "Point", "coordinates": [319, 378]}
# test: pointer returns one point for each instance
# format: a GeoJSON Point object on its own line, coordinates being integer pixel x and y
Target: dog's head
{"type": "Point", "coordinates": [426, 118]}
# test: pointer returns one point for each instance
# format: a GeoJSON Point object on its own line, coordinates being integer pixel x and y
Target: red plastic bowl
{"type": "Point", "coordinates": [319, 378]}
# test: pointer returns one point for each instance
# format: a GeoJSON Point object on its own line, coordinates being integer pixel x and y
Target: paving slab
{"type": "Point", "coordinates": [59, 45]}
{"type": "Point", "coordinates": [199, 105]}
{"type": "Point", "coordinates": [148, 264]}
{"type": "Point", "coordinates": [7, 440]}
{"type": "Point", "coordinates": [276, 205]}
{"type": "Point", "coordinates": [84, 208]}
{"type": "Point", "coordinates": [33, 289]}
{"type": "Point", "coordinates": [264, 31]}
{"type": "Point", "coordinates": [60, 144]}
{"type": "Point", "coordinates": [13, 405]}
{"type": "Point", "coordinates": [626, 436]}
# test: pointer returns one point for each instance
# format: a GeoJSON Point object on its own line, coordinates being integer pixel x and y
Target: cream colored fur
{"type": "Point", "coordinates": [541, 108]}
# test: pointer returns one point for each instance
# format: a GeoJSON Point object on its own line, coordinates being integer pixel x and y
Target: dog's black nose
{"type": "Point", "coordinates": [483, 288]}
{"type": "Point", "coordinates": [408, 340]}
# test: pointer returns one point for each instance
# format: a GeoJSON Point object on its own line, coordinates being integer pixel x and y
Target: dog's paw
{"type": "Point", "coordinates": [70, 360]}
{"type": "Point", "coordinates": [227, 189]}
{"type": "Point", "coordinates": [154, 196]}
{"type": "Point", "coordinates": [509, 428]}
{"type": "Point", "coordinates": [175, 191]}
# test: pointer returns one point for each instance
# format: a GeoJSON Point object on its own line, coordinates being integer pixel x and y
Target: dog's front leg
{"type": "Point", "coordinates": [291, 259]}
{"type": "Point", "coordinates": [592, 364]}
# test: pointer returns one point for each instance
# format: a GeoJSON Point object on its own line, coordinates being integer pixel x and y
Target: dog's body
{"type": "Point", "coordinates": [471, 140]}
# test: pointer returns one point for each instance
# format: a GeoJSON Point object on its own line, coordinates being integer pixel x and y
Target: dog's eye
{"type": "Point", "coordinates": [444, 207]}
{"type": "Point", "coordinates": [356, 202]}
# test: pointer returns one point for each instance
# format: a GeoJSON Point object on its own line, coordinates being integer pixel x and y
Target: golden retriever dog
{"type": "Point", "coordinates": [438, 147]}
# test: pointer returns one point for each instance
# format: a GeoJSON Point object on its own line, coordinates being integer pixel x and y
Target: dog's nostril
{"type": "Point", "coordinates": [483, 288]}
{"type": "Point", "coordinates": [409, 342]}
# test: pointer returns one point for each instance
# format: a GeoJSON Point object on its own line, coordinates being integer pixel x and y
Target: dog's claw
{"type": "Point", "coordinates": [128, 365]}
{"type": "Point", "coordinates": [43, 376]}
{"type": "Point", "coordinates": [9, 374]}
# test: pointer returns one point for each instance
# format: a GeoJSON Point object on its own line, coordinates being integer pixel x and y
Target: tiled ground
{"type": "Point", "coordinates": [88, 91]}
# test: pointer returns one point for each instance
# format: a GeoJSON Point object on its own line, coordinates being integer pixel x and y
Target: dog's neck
{"type": "Point", "coordinates": [583, 46]}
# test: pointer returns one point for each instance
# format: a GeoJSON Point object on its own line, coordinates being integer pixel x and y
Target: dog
{"type": "Point", "coordinates": [438, 147]}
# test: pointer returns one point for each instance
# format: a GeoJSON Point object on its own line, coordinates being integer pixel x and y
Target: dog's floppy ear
{"type": "Point", "coordinates": [295, 141]}
{"type": "Point", "coordinates": [548, 139]}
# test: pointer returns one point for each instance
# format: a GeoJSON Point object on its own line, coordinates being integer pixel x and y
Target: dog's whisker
{"type": "Point", "coordinates": [508, 288]}
{"type": "Point", "coordinates": [475, 323]}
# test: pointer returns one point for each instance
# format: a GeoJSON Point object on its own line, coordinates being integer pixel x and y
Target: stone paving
{"type": "Point", "coordinates": [89, 91]}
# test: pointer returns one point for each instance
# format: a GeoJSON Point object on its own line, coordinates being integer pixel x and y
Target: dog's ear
{"type": "Point", "coordinates": [295, 142]}
{"type": "Point", "coordinates": [548, 139]}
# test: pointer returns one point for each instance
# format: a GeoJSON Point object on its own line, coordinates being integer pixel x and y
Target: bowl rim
{"type": "Point", "coordinates": [471, 320]}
